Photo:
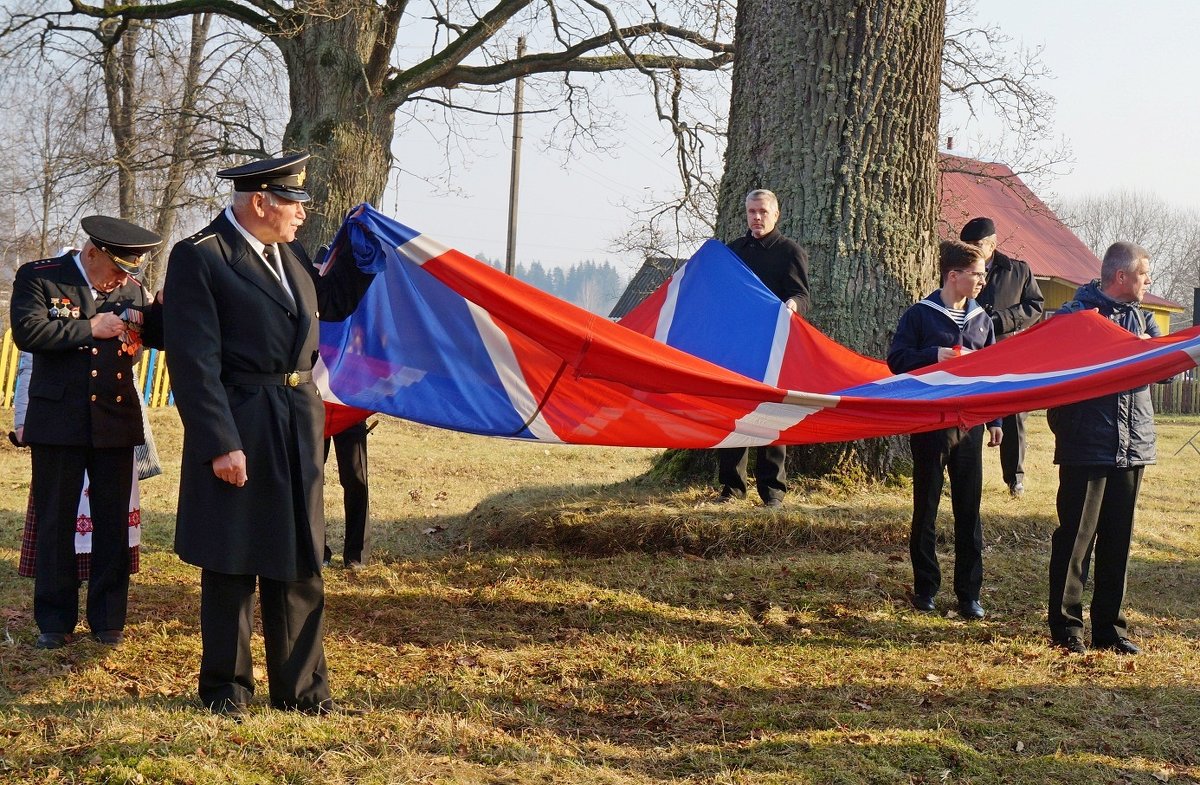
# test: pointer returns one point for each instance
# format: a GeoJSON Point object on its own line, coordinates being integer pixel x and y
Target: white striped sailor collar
{"type": "Point", "coordinates": [934, 301]}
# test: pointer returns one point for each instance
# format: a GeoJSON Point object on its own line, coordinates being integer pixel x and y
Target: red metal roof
{"type": "Point", "coordinates": [1025, 227]}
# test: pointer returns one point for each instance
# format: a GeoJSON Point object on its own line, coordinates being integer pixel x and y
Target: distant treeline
{"type": "Point", "coordinates": [590, 285]}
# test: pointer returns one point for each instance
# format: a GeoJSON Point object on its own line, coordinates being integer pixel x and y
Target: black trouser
{"type": "Point", "coordinates": [960, 452]}
{"type": "Point", "coordinates": [1095, 515]}
{"type": "Point", "coordinates": [770, 473]}
{"type": "Point", "coordinates": [57, 481]}
{"type": "Point", "coordinates": [350, 446]}
{"type": "Point", "coordinates": [293, 614]}
{"type": "Point", "coordinates": [1012, 448]}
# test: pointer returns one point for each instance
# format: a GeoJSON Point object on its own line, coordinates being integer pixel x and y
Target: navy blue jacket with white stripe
{"type": "Point", "coordinates": [927, 326]}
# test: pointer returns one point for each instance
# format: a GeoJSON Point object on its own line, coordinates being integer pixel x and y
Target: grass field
{"type": "Point", "coordinates": [540, 615]}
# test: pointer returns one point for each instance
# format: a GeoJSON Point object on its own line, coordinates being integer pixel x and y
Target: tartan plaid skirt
{"type": "Point", "coordinates": [83, 561]}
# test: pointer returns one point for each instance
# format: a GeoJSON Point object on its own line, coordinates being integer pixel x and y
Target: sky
{"type": "Point", "coordinates": [1123, 75]}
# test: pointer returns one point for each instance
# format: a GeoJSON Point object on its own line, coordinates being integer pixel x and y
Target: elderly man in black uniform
{"type": "Point", "coordinates": [1013, 299]}
{"type": "Point", "coordinates": [82, 317]}
{"type": "Point", "coordinates": [241, 334]}
{"type": "Point", "coordinates": [782, 266]}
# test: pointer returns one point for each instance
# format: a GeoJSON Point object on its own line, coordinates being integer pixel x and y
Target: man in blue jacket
{"type": "Point", "coordinates": [946, 324]}
{"type": "Point", "coordinates": [1102, 446]}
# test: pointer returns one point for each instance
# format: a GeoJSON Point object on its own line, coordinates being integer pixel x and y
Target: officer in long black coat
{"type": "Point", "coordinates": [242, 303]}
{"type": "Point", "coordinates": [82, 317]}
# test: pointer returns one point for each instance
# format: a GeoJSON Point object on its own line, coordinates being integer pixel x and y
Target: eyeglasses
{"type": "Point", "coordinates": [977, 276]}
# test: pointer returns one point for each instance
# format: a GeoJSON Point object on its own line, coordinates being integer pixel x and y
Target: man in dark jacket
{"type": "Point", "coordinates": [782, 266]}
{"type": "Point", "coordinates": [1013, 299]}
{"type": "Point", "coordinates": [946, 324]}
{"type": "Point", "coordinates": [82, 317]}
{"type": "Point", "coordinates": [241, 333]}
{"type": "Point", "coordinates": [1101, 446]}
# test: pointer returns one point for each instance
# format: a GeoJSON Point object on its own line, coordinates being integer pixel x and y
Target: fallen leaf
{"type": "Point", "coordinates": [1020, 746]}
{"type": "Point", "coordinates": [1162, 775]}
{"type": "Point", "coordinates": [933, 678]}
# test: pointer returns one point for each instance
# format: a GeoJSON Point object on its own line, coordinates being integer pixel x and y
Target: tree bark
{"type": "Point", "coordinates": [338, 114]}
{"type": "Point", "coordinates": [835, 108]}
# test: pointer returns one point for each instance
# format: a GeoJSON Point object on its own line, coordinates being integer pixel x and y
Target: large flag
{"type": "Point", "coordinates": [711, 359]}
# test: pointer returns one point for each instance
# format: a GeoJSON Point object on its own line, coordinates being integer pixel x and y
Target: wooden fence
{"type": "Point", "coordinates": [152, 375]}
{"type": "Point", "coordinates": [1180, 396]}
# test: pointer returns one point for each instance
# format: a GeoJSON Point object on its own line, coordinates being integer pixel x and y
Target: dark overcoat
{"type": "Point", "coordinates": [81, 389]}
{"type": "Point", "coordinates": [1011, 296]}
{"type": "Point", "coordinates": [225, 316]}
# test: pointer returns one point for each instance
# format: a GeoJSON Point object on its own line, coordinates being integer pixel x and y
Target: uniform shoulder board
{"type": "Point", "coordinates": [45, 264]}
{"type": "Point", "coordinates": [200, 237]}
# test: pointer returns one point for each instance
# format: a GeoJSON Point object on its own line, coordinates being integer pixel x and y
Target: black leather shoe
{"type": "Point", "coordinates": [1119, 646]}
{"type": "Point", "coordinates": [774, 502]}
{"type": "Point", "coordinates": [1072, 644]}
{"type": "Point", "coordinates": [971, 609]}
{"type": "Point", "coordinates": [51, 640]}
{"type": "Point", "coordinates": [227, 708]}
{"type": "Point", "coordinates": [108, 637]}
{"type": "Point", "coordinates": [922, 602]}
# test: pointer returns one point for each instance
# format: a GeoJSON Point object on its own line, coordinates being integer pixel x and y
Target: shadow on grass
{"type": "Point", "coordinates": [688, 728]}
{"type": "Point", "coordinates": [513, 600]}
{"type": "Point", "coordinates": [643, 516]}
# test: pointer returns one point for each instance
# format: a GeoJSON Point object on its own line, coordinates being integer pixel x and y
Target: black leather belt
{"type": "Point", "coordinates": [293, 379]}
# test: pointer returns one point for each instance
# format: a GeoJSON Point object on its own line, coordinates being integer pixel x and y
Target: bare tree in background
{"type": "Point", "coordinates": [988, 78]}
{"type": "Point", "coordinates": [985, 77]}
{"type": "Point", "coordinates": [172, 95]}
{"type": "Point", "coordinates": [1171, 234]}
{"type": "Point", "coordinates": [46, 175]}
{"type": "Point", "coordinates": [348, 81]}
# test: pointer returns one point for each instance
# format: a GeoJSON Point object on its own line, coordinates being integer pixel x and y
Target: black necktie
{"type": "Point", "coordinates": [276, 268]}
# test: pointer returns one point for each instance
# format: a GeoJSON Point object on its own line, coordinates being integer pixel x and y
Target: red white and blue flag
{"type": "Point", "coordinates": [711, 359]}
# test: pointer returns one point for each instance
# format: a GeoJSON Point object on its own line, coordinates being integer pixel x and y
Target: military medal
{"type": "Point", "coordinates": [54, 307]}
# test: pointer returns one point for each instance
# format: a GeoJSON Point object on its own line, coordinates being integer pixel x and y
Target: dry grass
{"type": "Point", "coordinates": [539, 615]}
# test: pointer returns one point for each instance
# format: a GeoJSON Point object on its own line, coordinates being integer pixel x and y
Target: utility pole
{"type": "Point", "coordinates": [510, 258]}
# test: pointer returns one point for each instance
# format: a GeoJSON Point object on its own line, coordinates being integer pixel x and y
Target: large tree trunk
{"type": "Point", "coordinates": [338, 115]}
{"type": "Point", "coordinates": [835, 108]}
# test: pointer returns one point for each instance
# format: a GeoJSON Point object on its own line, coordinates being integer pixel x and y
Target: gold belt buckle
{"type": "Point", "coordinates": [293, 379]}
